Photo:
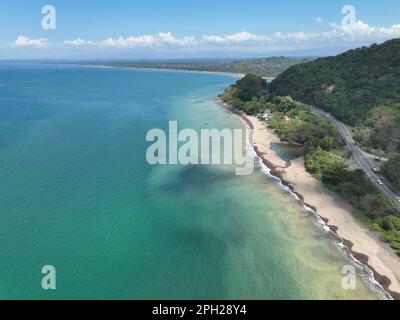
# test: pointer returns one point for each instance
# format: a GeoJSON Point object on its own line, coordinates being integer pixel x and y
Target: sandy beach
{"type": "Point", "coordinates": [365, 244]}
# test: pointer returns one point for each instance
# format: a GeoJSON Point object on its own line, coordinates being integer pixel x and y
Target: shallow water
{"type": "Point", "coordinates": [77, 193]}
{"type": "Point", "coordinates": [287, 152]}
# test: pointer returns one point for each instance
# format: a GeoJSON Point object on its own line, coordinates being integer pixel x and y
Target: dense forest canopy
{"type": "Point", "coordinates": [380, 131]}
{"type": "Point", "coordinates": [348, 85]}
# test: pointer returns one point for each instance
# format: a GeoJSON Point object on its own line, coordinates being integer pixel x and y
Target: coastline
{"type": "Point", "coordinates": [232, 74]}
{"type": "Point", "coordinates": [363, 244]}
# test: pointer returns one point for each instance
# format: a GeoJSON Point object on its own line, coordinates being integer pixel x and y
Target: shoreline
{"type": "Point", "coordinates": [231, 74]}
{"type": "Point", "coordinates": [363, 244]}
{"type": "Point", "coordinates": [104, 66]}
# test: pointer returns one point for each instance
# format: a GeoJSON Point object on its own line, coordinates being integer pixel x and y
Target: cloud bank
{"type": "Point", "coordinates": [23, 41]}
{"type": "Point", "coordinates": [356, 34]}
{"type": "Point", "coordinates": [156, 40]}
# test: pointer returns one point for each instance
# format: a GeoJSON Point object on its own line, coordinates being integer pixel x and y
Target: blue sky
{"type": "Point", "coordinates": [191, 28]}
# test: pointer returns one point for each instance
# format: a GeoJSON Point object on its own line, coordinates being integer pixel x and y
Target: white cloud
{"type": "Point", "coordinates": [318, 20]}
{"type": "Point", "coordinates": [337, 35]}
{"type": "Point", "coordinates": [241, 36]}
{"type": "Point", "coordinates": [22, 41]}
{"type": "Point", "coordinates": [215, 39]}
{"type": "Point", "coordinates": [235, 38]}
{"type": "Point", "coordinates": [362, 31]}
{"type": "Point", "coordinates": [157, 40]}
{"type": "Point", "coordinates": [78, 42]}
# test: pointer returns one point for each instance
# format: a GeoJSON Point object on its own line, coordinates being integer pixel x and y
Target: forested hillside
{"type": "Point", "coordinates": [348, 85]}
{"type": "Point", "coordinates": [324, 150]}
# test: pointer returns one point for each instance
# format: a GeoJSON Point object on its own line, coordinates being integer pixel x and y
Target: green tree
{"type": "Point", "coordinates": [249, 87]}
{"type": "Point", "coordinates": [391, 171]}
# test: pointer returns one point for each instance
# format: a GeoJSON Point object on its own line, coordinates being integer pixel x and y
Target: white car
{"type": "Point", "coordinates": [398, 199]}
{"type": "Point", "coordinates": [379, 181]}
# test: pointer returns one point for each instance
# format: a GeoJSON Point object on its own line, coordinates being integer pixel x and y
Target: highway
{"type": "Point", "coordinates": [362, 162]}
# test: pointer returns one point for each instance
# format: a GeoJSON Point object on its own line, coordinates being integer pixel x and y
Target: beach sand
{"type": "Point", "coordinates": [365, 244]}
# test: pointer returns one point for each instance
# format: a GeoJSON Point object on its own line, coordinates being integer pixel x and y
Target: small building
{"type": "Point", "coordinates": [267, 116]}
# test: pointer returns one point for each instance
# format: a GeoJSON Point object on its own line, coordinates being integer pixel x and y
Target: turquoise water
{"type": "Point", "coordinates": [77, 193]}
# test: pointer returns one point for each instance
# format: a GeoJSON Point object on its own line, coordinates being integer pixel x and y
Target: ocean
{"type": "Point", "coordinates": [77, 193]}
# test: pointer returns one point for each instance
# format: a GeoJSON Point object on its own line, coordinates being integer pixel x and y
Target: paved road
{"type": "Point", "coordinates": [363, 162]}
